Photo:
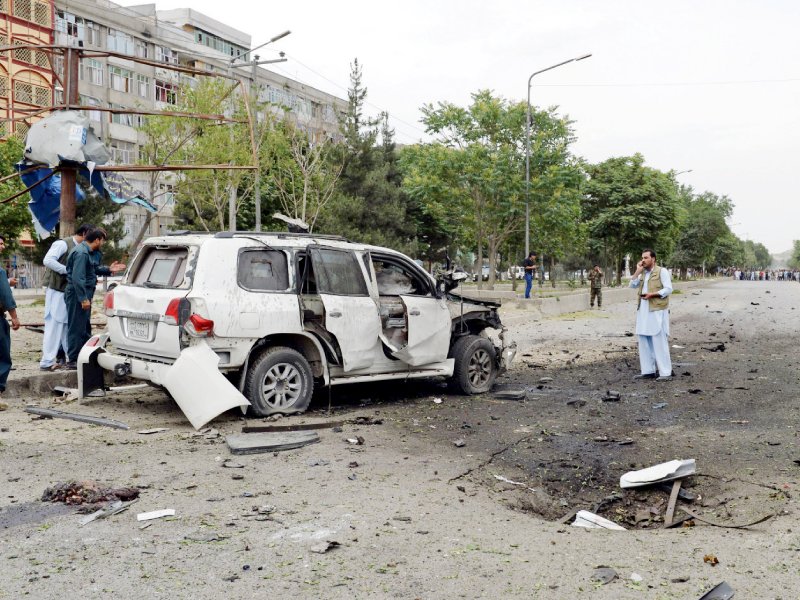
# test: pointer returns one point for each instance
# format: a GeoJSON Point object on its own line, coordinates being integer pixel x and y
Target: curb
{"type": "Point", "coordinates": [40, 383]}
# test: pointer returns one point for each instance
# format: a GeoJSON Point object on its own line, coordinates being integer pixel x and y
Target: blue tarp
{"type": "Point", "coordinates": [45, 204]}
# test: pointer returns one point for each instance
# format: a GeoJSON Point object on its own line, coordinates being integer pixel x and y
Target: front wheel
{"type": "Point", "coordinates": [476, 364]}
{"type": "Point", "coordinates": [279, 381]}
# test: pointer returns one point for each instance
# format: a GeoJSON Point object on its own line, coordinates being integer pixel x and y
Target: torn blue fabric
{"type": "Point", "coordinates": [45, 204]}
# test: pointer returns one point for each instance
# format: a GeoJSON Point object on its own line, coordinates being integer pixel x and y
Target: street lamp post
{"type": "Point", "coordinates": [528, 153]}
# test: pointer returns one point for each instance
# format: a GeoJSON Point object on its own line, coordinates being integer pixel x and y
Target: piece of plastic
{"type": "Point", "coordinates": [668, 471]}
{"type": "Point", "coordinates": [65, 135]}
{"type": "Point", "coordinates": [198, 387]}
{"type": "Point", "coordinates": [584, 518]}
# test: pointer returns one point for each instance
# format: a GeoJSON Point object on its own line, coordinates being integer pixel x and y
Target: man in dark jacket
{"type": "Point", "coordinates": [83, 267]}
{"type": "Point", "coordinates": [8, 305]}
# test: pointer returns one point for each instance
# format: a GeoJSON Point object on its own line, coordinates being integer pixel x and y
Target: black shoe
{"type": "Point", "coordinates": [71, 366]}
{"type": "Point", "coordinates": [50, 368]}
{"type": "Point", "coordinates": [645, 376]}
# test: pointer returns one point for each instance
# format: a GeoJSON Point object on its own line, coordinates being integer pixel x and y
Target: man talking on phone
{"type": "Point", "coordinates": [654, 285]}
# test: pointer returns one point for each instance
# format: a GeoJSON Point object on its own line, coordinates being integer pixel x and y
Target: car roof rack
{"type": "Point", "coordinates": [184, 232]}
{"type": "Point", "coordinates": [280, 234]}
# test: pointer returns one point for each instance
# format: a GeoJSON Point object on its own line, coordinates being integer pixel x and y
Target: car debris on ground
{"type": "Point", "coordinates": [668, 471]}
{"type": "Point", "coordinates": [721, 591]}
{"type": "Point", "coordinates": [156, 514]}
{"type": "Point", "coordinates": [255, 443]}
{"type": "Point", "coordinates": [52, 413]}
{"type": "Point", "coordinates": [589, 520]}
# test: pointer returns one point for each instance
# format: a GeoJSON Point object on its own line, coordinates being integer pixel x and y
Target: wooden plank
{"type": "Point", "coordinates": [255, 443]}
{"type": "Point", "coordinates": [673, 498]}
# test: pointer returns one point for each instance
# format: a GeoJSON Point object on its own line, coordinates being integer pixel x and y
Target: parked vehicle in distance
{"type": "Point", "coordinates": [285, 312]}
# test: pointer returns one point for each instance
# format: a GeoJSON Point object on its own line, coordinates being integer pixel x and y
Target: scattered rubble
{"type": "Point", "coordinates": [87, 492]}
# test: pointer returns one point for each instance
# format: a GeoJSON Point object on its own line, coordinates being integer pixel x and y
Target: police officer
{"type": "Point", "coordinates": [596, 279]}
{"type": "Point", "coordinates": [83, 267]}
{"type": "Point", "coordinates": [8, 305]}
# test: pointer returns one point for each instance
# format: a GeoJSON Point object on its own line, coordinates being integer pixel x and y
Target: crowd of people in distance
{"type": "Point", "coordinates": [767, 275]}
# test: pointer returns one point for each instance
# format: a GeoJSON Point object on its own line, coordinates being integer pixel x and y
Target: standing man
{"type": "Point", "coordinates": [55, 308]}
{"type": "Point", "coordinates": [652, 317]}
{"type": "Point", "coordinates": [596, 282]}
{"type": "Point", "coordinates": [8, 305]}
{"type": "Point", "coordinates": [529, 265]}
{"type": "Point", "coordinates": [83, 267]}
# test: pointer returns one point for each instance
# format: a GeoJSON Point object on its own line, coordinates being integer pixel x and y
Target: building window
{"type": "Point", "coordinates": [123, 153]}
{"type": "Point", "coordinates": [94, 115]}
{"type": "Point", "coordinates": [166, 192]}
{"type": "Point", "coordinates": [92, 33]}
{"type": "Point", "coordinates": [218, 43]}
{"type": "Point", "coordinates": [30, 56]}
{"type": "Point", "coordinates": [120, 79]}
{"type": "Point", "coordinates": [125, 118]}
{"type": "Point", "coordinates": [91, 70]}
{"type": "Point", "coordinates": [166, 55]}
{"type": "Point", "coordinates": [142, 86]}
{"type": "Point", "coordinates": [141, 48]}
{"type": "Point", "coordinates": [3, 86]}
{"type": "Point", "coordinates": [166, 92]}
{"type": "Point", "coordinates": [30, 10]}
{"type": "Point", "coordinates": [119, 42]}
{"type": "Point", "coordinates": [4, 6]}
{"type": "Point", "coordinates": [29, 93]}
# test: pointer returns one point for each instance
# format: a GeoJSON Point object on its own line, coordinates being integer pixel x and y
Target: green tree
{"type": "Point", "coordinates": [794, 259]}
{"type": "Point", "coordinates": [369, 204]}
{"type": "Point", "coordinates": [728, 252]}
{"type": "Point", "coordinates": [703, 229]}
{"type": "Point", "coordinates": [629, 206]}
{"type": "Point", "coordinates": [14, 214]}
{"type": "Point", "coordinates": [471, 179]}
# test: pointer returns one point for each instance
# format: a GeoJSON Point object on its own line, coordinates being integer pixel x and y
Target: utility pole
{"type": "Point", "coordinates": [69, 176]}
{"type": "Point", "coordinates": [256, 158]}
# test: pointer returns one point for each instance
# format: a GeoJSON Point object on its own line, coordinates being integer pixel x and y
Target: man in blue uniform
{"type": "Point", "coordinates": [7, 305]}
{"type": "Point", "coordinates": [83, 267]}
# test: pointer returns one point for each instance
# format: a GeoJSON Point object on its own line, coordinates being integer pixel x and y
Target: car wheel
{"type": "Point", "coordinates": [476, 364]}
{"type": "Point", "coordinates": [279, 381]}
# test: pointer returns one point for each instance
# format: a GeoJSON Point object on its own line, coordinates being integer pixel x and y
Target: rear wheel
{"type": "Point", "coordinates": [279, 381]}
{"type": "Point", "coordinates": [476, 364]}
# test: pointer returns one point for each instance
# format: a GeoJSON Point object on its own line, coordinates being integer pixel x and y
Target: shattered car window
{"type": "Point", "coordinates": [394, 280]}
{"type": "Point", "coordinates": [338, 273]}
{"type": "Point", "coordinates": [263, 270]}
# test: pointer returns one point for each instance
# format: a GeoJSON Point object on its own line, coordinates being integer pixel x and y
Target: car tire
{"type": "Point", "coordinates": [279, 381]}
{"type": "Point", "coordinates": [476, 364]}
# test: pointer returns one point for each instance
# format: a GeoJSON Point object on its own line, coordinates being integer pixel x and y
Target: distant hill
{"type": "Point", "coordinates": [782, 259]}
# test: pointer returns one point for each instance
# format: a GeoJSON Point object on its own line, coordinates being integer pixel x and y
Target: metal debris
{"type": "Point", "coordinates": [58, 414]}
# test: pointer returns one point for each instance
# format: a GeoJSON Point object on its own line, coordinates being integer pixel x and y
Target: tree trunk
{"type": "Point", "coordinates": [552, 270]}
{"type": "Point", "coordinates": [492, 260]}
{"type": "Point", "coordinates": [479, 264]}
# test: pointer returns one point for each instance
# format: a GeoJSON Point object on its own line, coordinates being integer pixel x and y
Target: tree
{"type": "Point", "coordinates": [14, 214]}
{"type": "Point", "coordinates": [628, 207]}
{"type": "Point", "coordinates": [703, 229]}
{"type": "Point", "coordinates": [369, 204]}
{"type": "Point", "coordinates": [304, 173]}
{"type": "Point", "coordinates": [471, 178]}
{"type": "Point", "coordinates": [794, 259]}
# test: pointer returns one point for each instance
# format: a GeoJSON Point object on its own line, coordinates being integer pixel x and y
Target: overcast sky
{"type": "Point", "coordinates": [711, 86]}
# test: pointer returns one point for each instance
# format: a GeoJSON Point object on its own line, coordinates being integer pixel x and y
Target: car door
{"type": "Point", "coordinates": [351, 315]}
{"type": "Point", "coordinates": [425, 338]}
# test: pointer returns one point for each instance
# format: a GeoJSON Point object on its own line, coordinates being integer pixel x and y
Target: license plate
{"type": "Point", "coordinates": [138, 330]}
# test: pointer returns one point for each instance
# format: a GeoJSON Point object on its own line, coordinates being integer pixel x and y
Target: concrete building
{"type": "Point", "coordinates": [177, 37]}
{"type": "Point", "coordinates": [26, 75]}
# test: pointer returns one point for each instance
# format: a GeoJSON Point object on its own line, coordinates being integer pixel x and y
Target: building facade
{"type": "Point", "coordinates": [181, 37]}
{"type": "Point", "coordinates": [26, 75]}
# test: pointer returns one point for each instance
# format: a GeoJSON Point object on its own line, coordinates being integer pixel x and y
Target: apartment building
{"type": "Point", "coordinates": [172, 37]}
{"type": "Point", "coordinates": [26, 75]}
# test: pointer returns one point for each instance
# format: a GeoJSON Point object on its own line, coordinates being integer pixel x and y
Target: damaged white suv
{"type": "Point", "coordinates": [277, 314]}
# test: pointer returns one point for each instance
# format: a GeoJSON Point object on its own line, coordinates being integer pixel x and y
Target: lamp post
{"type": "Point", "coordinates": [528, 153]}
{"type": "Point", "coordinates": [257, 183]}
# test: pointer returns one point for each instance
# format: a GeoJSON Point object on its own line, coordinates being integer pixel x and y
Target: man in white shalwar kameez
{"type": "Point", "coordinates": [652, 318]}
{"type": "Point", "coordinates": [55, 308]}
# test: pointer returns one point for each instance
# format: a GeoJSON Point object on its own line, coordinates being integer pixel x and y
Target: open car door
{"type": "Point", "coordinates": [428, 331]}
{"type": "Point", "coordinates": [351, 315]}
{"type": "Point", "coordinates": [416, 323]}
